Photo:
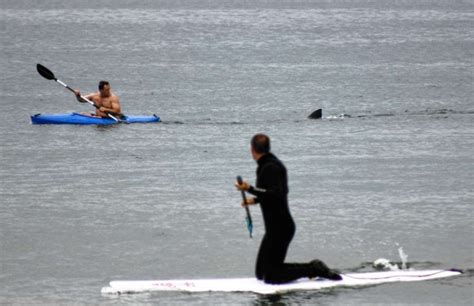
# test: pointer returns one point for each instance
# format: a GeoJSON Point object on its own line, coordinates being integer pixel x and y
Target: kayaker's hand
{"type": "Point", "coordinates": [249, 201]}
{"type": "Point", "coordinates": [244, 186]}
{"type": "Point", "coordinates": [78, 96]}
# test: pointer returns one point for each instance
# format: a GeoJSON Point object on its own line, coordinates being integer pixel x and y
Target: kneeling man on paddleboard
{"type": "Point", "coordinates": [271, 192]}
{"type": "Point", "coordinates": [107, 102]}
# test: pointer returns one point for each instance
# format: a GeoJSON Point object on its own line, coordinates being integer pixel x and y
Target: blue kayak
{"type": "Point", "coordinates": [76, 118]}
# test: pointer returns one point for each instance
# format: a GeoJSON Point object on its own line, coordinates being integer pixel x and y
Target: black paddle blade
{"type": "Point", "coordinates": [45, 72]}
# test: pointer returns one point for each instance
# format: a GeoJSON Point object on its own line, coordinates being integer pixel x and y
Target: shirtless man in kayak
{"type": "Point", "coordinates": [107, 101]}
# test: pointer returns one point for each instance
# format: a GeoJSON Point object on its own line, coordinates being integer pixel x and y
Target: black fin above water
{"type": "Point", "coordinates": [317, 114]}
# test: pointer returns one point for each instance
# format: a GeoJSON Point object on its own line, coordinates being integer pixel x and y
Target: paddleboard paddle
{"type": "Point", "coordinates": [49, 75]}
{"type": "Point", "coordinates": [248, 218]}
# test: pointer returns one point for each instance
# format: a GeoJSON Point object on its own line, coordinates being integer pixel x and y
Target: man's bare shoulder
{"type": "Point", "coordinates": [114, 97]}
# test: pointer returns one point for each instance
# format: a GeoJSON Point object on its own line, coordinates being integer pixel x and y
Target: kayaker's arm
{"type": "Point", "coordinates": [114, 109]}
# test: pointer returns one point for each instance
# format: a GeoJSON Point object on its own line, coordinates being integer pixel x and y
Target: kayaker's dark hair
{"type": "Point", "coordinates": [261, 143]}
{"type": "Point", "coordinates": [102, 84]}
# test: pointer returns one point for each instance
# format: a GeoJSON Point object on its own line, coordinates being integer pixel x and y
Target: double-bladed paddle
{"type": "Point", "coordinates": [49, 75]}
{"type": "Point", "coordinates": [248, 218]}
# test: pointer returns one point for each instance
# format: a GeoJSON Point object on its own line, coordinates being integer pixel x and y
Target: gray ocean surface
{"type": "Point", "coordinates": [390, 165]}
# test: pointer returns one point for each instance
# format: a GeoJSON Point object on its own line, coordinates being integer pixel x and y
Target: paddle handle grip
{"type": "Point", "coordinates": [240, 181]}
{"type": "Point", "coordinates": [248, 218]}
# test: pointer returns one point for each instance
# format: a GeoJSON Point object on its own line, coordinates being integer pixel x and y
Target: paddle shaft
{"type": "Point", "coordinates": [247, 211]}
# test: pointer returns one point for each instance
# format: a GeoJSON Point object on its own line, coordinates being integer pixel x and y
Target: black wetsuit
{"type": "Point", "coordinates": [271, 192]}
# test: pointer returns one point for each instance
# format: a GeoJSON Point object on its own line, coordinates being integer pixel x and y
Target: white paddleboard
{"type": "Point", "coordinates": [254, 285]}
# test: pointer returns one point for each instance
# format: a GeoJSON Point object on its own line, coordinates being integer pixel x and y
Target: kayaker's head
{"type": "Point", "coordinates": [259, 146]}
{"type": "Point", "coordinates": [104, 88]}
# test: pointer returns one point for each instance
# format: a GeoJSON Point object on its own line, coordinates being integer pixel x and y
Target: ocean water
{"type": "Point", "coordinates": [390, 165]}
